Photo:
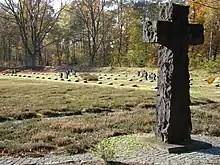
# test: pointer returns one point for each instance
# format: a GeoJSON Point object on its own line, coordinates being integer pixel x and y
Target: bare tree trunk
{"type": "Point", "coordinates": [210, 43]}
{"type": "Point", "coordinates": [58, 54]}
{"type": "Point", "coordinates": [215, 52]}
{"type": "Point", "coordinates": [104, 37]}
{"type": "Point", "coordinates": [120, 32]}
{"type": "Point", "coordinates": [9, 49]}
{"type": "Point", "coordinates": [91, 60]}
{"type": "Point", "coordinates": [4, 49]}
{"type": "Point", "coordinates": [33, 60]}
{"type": "Point", "coordinates": [67, 53]}
{"type": "Point", "coordinates": [104, 53]}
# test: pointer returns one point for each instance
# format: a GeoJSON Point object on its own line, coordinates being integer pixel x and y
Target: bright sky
{"type": "Point", "coordinates": [56, 3]}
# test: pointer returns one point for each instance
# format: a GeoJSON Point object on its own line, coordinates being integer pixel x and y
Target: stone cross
{"type": "Point", "coordinates": [174, 34]}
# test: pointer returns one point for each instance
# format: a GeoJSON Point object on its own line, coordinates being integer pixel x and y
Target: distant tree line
{"type": "Point", "coordinates": [94, 33]}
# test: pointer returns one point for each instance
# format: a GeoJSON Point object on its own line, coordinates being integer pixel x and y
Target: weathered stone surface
{"type": "Point", "coordinates": [150, 31]}
{"type": "Point", "coordinates": [164, 31]}
{"type": "Point", "coordinates": [174, 34]}
{"type": "Point", "coordinates": [173, 99]}
{"type": "Point", "coordinates": [134, 85]}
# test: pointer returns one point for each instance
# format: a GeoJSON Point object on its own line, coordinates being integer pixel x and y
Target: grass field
{"type": "Point", "coordinates": [40, 116]}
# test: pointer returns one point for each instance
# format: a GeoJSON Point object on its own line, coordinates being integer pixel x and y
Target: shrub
{"type": "Point", "coordinates": [89, 77]}
{"type": "Point", "coordinates": [62, 141]}
{"type": "Point", "coordinates": [44, 136]}
{"type": "Point", "coordinates": [25, 115]}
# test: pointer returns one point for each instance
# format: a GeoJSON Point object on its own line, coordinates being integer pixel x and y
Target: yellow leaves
{"type": "Point", "coordinates": [201, 11]}
{"type": "Point", "coordinates": [197, 11]}
{"type": "Point", "coordinates": [211, 80]}
{"type": "Point", "coordinates": [20, 45]}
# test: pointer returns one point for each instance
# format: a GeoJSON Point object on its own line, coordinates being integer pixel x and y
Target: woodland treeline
{"type": "Point", "coordinates": [94, 33]}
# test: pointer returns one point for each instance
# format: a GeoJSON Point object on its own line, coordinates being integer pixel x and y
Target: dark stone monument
{"type": "Point", "coordinates": [143, 73]}
{"type": "Point", "coordinates": [146, 76]}
{"type": "Point", "coordinates": [66, 74]}
{"type": "Point", "coordinates": [154, 76]}
{"type": "Point", "coordinates": [150, 76]}
{"type": "Point", "coordinates": [73, 72]}
{"type": "Point", "coordinates": [174, 34]}
{"type": "Point", "coordinates": [61, 75]}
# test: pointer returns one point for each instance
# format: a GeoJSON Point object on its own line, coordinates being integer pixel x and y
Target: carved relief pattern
{"type": "Point", "coordinates": [164, 94]}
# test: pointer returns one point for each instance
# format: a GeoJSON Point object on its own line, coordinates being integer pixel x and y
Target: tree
{"type": "Point", "coordinates": [208, 14]}
{"type": "Point", "coordinates": [90, 12]}
{"type": "Point", "coordinates": [35, 19]}
{"type": "Point", "coordinates": [9, 40]}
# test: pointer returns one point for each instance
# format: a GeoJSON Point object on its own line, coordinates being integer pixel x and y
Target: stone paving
{"type": "Point", "coordinates": [143, 157]}
{"type": "Point", "coordinates": [51, 160]}
{"type": "Point", "coordinates": [201, 157]}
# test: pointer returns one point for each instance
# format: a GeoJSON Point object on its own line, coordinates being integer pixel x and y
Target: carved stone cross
{"type": "Point", "coordinates": [174, 34]}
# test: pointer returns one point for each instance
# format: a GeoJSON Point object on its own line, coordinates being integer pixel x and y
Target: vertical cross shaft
{"type": "Point", "coordinates": [173, 99]}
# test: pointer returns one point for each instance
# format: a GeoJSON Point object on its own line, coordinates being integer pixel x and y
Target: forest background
{"type": "Point", "coordinates": [96, 33]}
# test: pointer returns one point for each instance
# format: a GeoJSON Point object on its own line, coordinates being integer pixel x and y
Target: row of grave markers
{"type": "Point", "coordinates": [62, 79]}
{"type": "Point", "coordinates": [142, 74]}
{"type": "Point", "coordinates": [152, 79]}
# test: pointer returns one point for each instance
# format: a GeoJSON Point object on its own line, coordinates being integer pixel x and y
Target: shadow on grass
{"type": "Point", "coordinates": [202, 102]}
{"type": "Point", "coordinates": [51, 114]}
{"type": "Point", "coordinates": [54, 114]}
{"type": "Point", "coordinates": [146, 105]}
{"type": "Point", "coordinates": [211, 151]}
{"type": "Point", "coordinates": [116, 163]}
{"type": "Point", "coordinates": [4, 119]}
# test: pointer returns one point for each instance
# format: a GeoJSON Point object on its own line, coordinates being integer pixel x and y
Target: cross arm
{"type": "Point", "coordinates": [150, 32]}
{"type": "Point", "coordinates": [195, 34]}
{"type": "Point", "coordinates": [164, 32]}
{"type": "Point", "coordinates": [157, 32]}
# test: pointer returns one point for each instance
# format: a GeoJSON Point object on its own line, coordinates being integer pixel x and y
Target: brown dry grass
{"type": "Point", "coordinates": [95, 112]}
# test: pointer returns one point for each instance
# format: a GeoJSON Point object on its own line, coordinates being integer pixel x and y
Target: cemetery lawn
{"type": "Point", "coordinates": [41, 117]}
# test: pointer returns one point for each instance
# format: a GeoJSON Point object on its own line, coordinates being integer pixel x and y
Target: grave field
{"type": "Point", "coordinates": [40, 116]}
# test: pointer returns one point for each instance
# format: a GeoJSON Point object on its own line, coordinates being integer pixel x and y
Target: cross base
{"type": "Point", "coordinates": [186, 146]}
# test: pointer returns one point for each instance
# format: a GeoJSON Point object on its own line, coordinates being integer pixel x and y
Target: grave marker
{"type": "Point", "coordinates": [61, 75]}
{"type": "Point", "coordinates": [73, 72]}
{"type": "Point", "coordinates": [66, 74]}
{"type": "Point", "coordinates": [143, 73]}
{"type": "Point", "coordinates": [146, 75]}
{"type": "Point", "coordinates": [174, 34]}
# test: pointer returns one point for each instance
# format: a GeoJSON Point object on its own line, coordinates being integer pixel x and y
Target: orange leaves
{"type": "Point", "coordinates": [211, 80]}
{"type": "Point", "coordinates": [197, 11]}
